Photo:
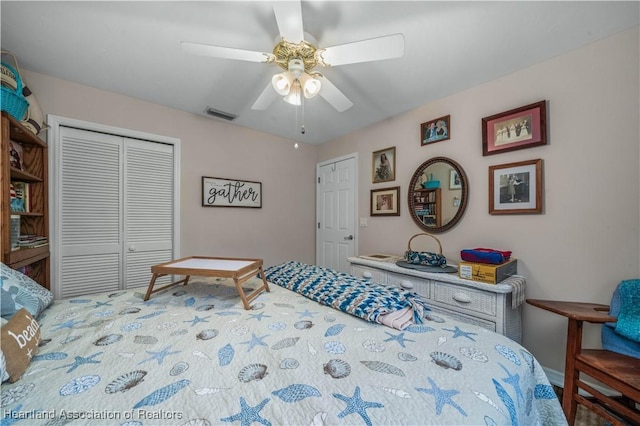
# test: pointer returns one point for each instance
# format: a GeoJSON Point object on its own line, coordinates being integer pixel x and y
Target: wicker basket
{"type": "Point", "coordinates": [425, 258]}
{"type": "Point", "coordinates": [13, 101]}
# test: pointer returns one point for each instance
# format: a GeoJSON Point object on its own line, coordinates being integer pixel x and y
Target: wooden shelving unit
{"type": "Point", "coordinates": [427, 205]}
{"type": "Point", "coordinates": [36, 220]}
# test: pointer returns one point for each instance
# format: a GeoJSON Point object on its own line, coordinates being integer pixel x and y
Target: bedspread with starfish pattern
{"type": "Point", "coordinates": [192, 355]}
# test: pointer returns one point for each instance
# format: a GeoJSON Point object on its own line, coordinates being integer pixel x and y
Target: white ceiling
{"type": "Point", "coordinates": [133, 48]}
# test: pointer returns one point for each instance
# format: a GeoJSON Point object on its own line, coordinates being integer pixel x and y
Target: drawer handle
{"type": "Point", "coordinates": [461, 297]}
{"type": "Point", "coordinates": [367, 275]}
{"type": "Point", "coordinates": [406, 284]}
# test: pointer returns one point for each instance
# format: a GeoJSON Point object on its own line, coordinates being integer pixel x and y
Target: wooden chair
{"type": "Point", "coordinates": [619, 372]}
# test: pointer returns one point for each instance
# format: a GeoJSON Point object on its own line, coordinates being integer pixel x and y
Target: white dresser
{"type": "Point", "coordinates": [491, 306]}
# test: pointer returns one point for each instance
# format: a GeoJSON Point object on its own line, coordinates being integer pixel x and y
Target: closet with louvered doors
{"type": "Point", "coordinates": [116, 206]}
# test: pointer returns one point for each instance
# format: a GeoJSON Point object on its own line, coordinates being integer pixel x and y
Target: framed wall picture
{"type": "Point", "coordinates": [221, 192]}
{"type": "Point", "coordinates": [384, 165]}
{"type": "Point", "coordinates": [454, 180]}
{"type": "Point", "coordinates": [437, 130]}
{"type": "Point", "coordinates": [516, 188]}
{"type": "Point", "coordinates": [385, 201]}
{"type": "Point", "coordinates": [519, 128]}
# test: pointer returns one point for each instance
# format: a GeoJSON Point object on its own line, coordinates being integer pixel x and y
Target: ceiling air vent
{"type": "Point", "coordinates": [220, 114]}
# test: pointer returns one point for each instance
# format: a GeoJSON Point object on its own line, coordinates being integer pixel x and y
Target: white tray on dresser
{"type": "Point", "coordinates": [491, 306]}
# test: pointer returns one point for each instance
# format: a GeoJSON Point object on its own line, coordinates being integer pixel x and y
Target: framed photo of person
{"type": "Point", "coordinates": [384, 165]}
{"type": "Point", "coordinates": [454, 180]}
{"type": "Point", "coordinates": [385, 201]}
{"type": "Point", "coordinates": [516, 188]}
{"type": "Point", "coordinates": [437, 130]}
{"type": "Point", "coordinates": [519, 128]}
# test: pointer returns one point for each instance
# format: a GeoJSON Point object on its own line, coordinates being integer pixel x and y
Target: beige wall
{"type": "Point", "coordinates": [584, 243]}
{"type": "Point", "coordinates": [283, 229]}
{"type": "Point", "coordinates": [587, 238]}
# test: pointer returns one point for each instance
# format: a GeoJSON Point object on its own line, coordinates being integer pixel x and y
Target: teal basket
{"type": "Point", "coordinates": [13, 101]}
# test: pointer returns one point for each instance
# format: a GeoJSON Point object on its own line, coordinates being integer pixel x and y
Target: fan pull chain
{"type": "Point", "coordinates": [295, 145]}
{"type": "Point", "coordinates": [302, 104]}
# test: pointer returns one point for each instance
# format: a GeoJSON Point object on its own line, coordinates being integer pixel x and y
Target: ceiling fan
{"type": "Point", "coordinates": [299, 57]}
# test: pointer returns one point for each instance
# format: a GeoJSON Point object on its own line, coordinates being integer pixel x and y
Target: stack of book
{"type": "Point", "coordinates": [32, 241]}
{"type": "Point", "coordinates": [15, 231]}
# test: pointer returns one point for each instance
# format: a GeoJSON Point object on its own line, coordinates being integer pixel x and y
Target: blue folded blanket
{"type": "Point", "coordinates": [356, 296]}
{"type": "Point", "coordinates": [623, 336]}
{"type": "Point", "coordinates": [628, 324]}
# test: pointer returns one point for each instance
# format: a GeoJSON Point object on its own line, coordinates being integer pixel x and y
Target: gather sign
{"type": "Point", "coordinates": [221, 192]}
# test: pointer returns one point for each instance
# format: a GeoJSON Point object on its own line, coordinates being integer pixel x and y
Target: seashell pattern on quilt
{"type": "Point", "coordinates": [193, 355]}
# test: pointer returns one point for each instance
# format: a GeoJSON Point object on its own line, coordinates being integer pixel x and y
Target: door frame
{"type": "Point", "coordinates": [353, 155]}
{"type": "Point", "coordinates": [53, 139]}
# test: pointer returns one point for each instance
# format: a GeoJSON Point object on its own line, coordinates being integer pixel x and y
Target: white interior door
{"type": "Point", "coordinates": [336, 212]}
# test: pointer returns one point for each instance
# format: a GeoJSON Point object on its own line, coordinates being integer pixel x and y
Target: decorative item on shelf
{"type": "Point", "coordinates": [485, 255]}
{"type": "Point", "coordinates": [425, 260]}
{"type": "Point", "coordinates": [488, 273]}
{"type": "Point", "coordinates": [16, 155]}
{"type": "Point", "coordinates": [431, 183]}
{"type": "Point", "coordinates": [22, 200]}
{"type": "Point", "coordinates": [13, 101]}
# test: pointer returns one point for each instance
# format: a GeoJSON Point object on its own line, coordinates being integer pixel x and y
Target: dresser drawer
{"type": "Point", "coordinates": [489, 325]}
{"type": "Point", "coordinates": [466, 298]}
{"type": "Point", "coordinates": [407, 282]}
{"type": "Point", "coordinates": [375, 275]}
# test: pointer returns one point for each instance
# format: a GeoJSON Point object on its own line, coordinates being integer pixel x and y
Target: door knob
{"type": "Point", "coordinates": [350, 237]}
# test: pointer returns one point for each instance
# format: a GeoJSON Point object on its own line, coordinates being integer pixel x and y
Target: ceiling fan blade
{"type": "Point", "coordinates": [375, 49]}
{"type": "Point", "coordinates": [289, 19]}
{"type": "Point", "coordinates": [333, 95]}
{"type": "Point", "coordinates": [265, 99]}
{"type": "Point", "coordinates": [225, 52]}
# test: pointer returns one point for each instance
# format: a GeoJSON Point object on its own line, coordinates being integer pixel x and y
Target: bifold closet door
{"type": "Point", "coordinates": [148, 210]}
{"type": "Point", "coordinates": [115, 204]}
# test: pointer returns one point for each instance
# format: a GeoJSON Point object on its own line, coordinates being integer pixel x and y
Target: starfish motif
{"type": "Point", "coordinates": [398, 338]}
{"type": "Point", "coordinates": [101, 304]}
{"type": "Point", "coordinates": [513, 380]}
{"type": "Point", "coordinates": [442, 397]}
{"type": "Point", "coordinates": [255, 341]}
{"type": "Point", "coordinates": [158, 356]}
{"type": "Point", "coordinates": [357, 405]}
{"type": "Point", "coordinates": [459, 333]}
{"type": "Point", "coordinates": [306, 313]}
{"type": "Point", "coordinates": [197, 319]}
{"type": "Point", "coordinates": [79, 361]}
{"type": "Point", "coordinates": [260, 316]}
{"type": "Point", "coordinates": [248, 415]}
{"type": "Point", "coordinates": [67, 324]}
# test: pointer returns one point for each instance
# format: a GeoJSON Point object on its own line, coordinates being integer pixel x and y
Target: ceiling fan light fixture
{"type": "Point", "coordinates": [282, 83]}
{"type": "Point", "coordinates": [295, 94]}
{"type": "Point", "coordinates": [310, 86]}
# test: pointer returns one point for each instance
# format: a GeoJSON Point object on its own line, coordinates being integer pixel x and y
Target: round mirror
{"type": "Point", "coordinates": [438, 195]}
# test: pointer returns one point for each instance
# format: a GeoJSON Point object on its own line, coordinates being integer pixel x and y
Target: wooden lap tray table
{"type": "Point", "coordinates": [240, 270]}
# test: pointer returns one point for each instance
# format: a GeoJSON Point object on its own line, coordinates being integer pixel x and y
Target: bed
{"type": "Point", "coordinates": [192, 355]}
